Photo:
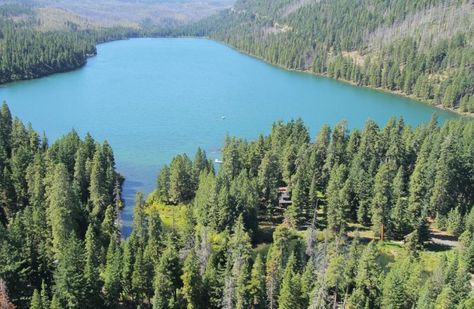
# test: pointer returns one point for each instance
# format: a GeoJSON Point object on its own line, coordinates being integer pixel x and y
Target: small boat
{"type": "Point", "coordinates": [217, 161]}
{"type": "Point", "coordinates": [222, 117]}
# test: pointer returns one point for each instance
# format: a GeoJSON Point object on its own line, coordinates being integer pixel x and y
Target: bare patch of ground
{"type": "Point", "coordinates": [442, 238]}
{"type": "Point", "coordinates": [355, 56]}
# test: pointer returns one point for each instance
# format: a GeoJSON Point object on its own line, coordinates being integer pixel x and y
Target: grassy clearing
{"type": "Point", "coordinates": [172, 216]}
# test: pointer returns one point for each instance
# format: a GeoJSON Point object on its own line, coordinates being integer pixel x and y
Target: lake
{"type": "Point", "coordinates": [155, 98]}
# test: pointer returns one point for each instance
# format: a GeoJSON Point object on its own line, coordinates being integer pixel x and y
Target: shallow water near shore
{"type": "Point", "coordinates": [155, 98]}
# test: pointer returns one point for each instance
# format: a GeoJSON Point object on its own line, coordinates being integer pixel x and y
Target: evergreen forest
{"type": "Point", "coordinates": [362, 230]}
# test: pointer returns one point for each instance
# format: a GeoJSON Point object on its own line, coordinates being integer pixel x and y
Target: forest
{"type": "Point", "coordinates": [423, 49]}
{"type": "Point", "coordinates": [357, 232]}
{"type": "Point", "coordinates": [27, 52]}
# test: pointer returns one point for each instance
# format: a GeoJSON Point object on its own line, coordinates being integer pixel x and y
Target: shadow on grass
{"type": "Point", "coordinates": [434, 247]}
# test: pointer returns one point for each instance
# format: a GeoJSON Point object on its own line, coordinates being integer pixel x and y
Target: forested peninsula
{"type": "Point", "coordinates": [342, 219]}
{"type": "Point", "coordinates": [423, 49]}
{"type": "Point", "coordinates": [30, 50]}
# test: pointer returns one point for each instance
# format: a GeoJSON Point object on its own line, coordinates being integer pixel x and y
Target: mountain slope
{"type": "Point", "coordinates": [421, 48]}
{"type": "Point", "coordinates": [139, 12]}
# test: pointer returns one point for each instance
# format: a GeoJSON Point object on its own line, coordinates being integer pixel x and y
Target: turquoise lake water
{"type": "Point", "coordinates": [155, 98]}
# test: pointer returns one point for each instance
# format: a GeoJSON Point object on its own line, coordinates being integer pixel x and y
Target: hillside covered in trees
{"type": "Point", "coordinates": [219, 237]}
{"type": "Point", "coordinates": [29, 50]}
{"type": "Point", "coordinates": [419, 48]}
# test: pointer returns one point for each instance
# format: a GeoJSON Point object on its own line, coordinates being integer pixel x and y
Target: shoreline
{"type": "Point", "coordinates": [309, 72]}
{"type": "Point", "coordinates": [65, 70]}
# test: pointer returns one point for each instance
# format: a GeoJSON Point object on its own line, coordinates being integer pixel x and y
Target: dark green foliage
{"type": "Point", "coordinates": [60, 246]}
{"type": "Point", "coordinates": [337, 206]}
{"type": "Point", "coordinates": [257, 284]}
{"type": "Point", "coordinates": [181, 180]}
{"type": "Point", "coordinates": [167, 278]}
{"type": "Point", "coordinates": [70, 282]}
{"type": "Point", "coordinates": [367, 281]}
{"type": "Point", "coordinates": [112, 274]}
{"type": "Point", "coordinates": [26, 52]}
{"type": "Point", "coordinates": [91, 270]}
{"type": "Point", "coordinates": [45, 212]}
{"type": "Point", "coordinates": [192, 282]}
{"type": "Point", "coordinates": [163, 185]}
{"type": "Point", "coordinates": [290, 292]}
{"type": "Point", "coordinates": [29, 54]}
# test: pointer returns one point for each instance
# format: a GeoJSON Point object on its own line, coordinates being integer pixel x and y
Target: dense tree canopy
{"type": "Point", "coordinates": [26, 52]}
{"type": "Point", "coordinates": [237, 245]}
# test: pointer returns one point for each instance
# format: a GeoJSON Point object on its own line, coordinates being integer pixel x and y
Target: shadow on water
{"type": "Point", "coordinates": [130, 188]}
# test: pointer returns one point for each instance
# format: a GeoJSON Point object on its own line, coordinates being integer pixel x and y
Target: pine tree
{"type": "Point", "coordinates": [163, 185]}
{"type": "Point", "coordinates": [200, 164]}
{"type": "Point", "coordinates": [307, 282]}
{"type": "Point", "coordinates": [242, 296]}
{"type": "Point", "coordinates": [214, 275]}
{"type": "Point", "coordinates": [257, 284]}
{"type": "Point", "coordinates": [335, 278]}
{"type": "Point", "coordinates": [300, 194]}
{"type": "Point", "coordinates": [181, 180]}
{"type": "Point", "coordinates": [318, 157]}
{"type": "Point", "coordinates": [394, 295]}
{"type": "Point", "coordinates": [97, 187]}
{"type": "Point", "coordinates": [5, 129]}
{"type": "Point", "coordinates": [167, 278]}
{"type": "Point", "coordinates": [61, 207]}
{"type": "Point", "coordinates": [337, 207]}
{"type": "Point", "coordinates": [139, 223]}
{"type": "Point", "coordinates": [231, 160]}
{"type": "Point", "coordinates": [36, 300]}
{"type": "Point", "coordinates": [445, 299]}
{"type": "Point", "coordinates": [382, 200]}
{"type": "Point", "coordinates": [91, 271]}
{"type": "Point", "coordinates": [192, 282]}
{"type": "Point", "coordinates": [45, 301]}
{"type": "Point", "coordinates": [154, 237]}
{"type": "Point", "coordinates": [399, 220]}
{"type": "Point", "coordinates": [336, 150]}
{"type": "Point", "coordinates": [276, 260]}
{"type": "Point", "coordinates": [268, 181]}
{"type": "Point", "coordinates": [237, 269]}
{"type": "Point", "coordinates": [112, 274]}
{"type": "Point", "coordinates": [367, 289]}
{"type": "Point", "coordinates": [290, 154]}
{"type": "Point", "coordinates": [443, 197]}
{"type": "Point", "coordinates": [139, 277]}
{"type": "Point", "coordinates": [363, 170]}
{"type": "Point", "coordinates": [108, 227]}
{"type": "Point", "coordinates": [70, 283]}
{"type": "Point", "coordinates": [80, 180]}
{"type": "Point", "coordinates": [36, 173]}
{"type": "Point", "coordinates": [128, 260]}
{"type": "Point", "coordinates": [418, 188]}
{"type": "Point", "coordinates": [350, 267]}
{"type": "Point", "coordinates": [290, 292]}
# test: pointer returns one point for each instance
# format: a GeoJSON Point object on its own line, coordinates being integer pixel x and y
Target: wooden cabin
{"type": "Point", "coordinates": [284, 197]}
